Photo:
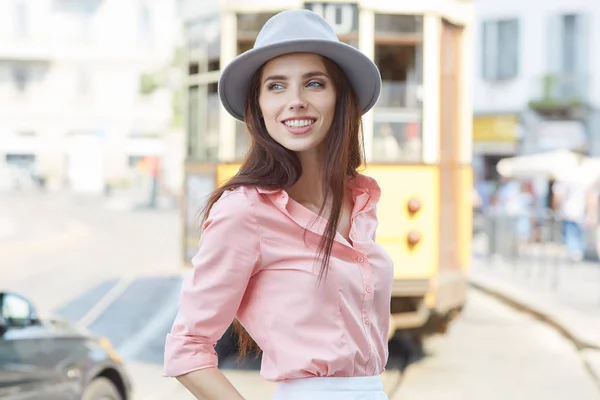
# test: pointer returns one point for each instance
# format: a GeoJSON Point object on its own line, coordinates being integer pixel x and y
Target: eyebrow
{"type": "Point", "coordinates": [307, 75]}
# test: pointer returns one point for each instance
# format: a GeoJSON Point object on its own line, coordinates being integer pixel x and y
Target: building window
{"type": "Point", "coordinates": [21, 161]}
{"type": "Point", "coordinates": [569, 43]}
{"type": "Point", "coordinates": [21, 76]}
{"type": "Point", "coordinates": [500, 49]}
{"type": "Point", "coordinates": [75, 18]}
{"type": "Point", "coordinates": [204, 44]}
{"type": "Point", "coordinates": [21, 27]}
{"type": "Point", "coordinates": [145, 24]}
{"type": "Point", "coordinates": [568, 51]}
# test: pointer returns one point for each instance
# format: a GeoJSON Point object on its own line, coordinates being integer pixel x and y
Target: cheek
{"type": "Point", "coordinates": [328, 110]}
{"type": "Point", "coordinates": [269, 110]}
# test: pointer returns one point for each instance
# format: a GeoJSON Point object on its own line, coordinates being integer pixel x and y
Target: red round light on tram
{"type": "Point", "coordinates": [413, 238]}
{"type": "Point", "coordinates": [413, 206]}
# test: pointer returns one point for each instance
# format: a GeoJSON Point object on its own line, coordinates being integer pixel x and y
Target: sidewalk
{"type": "Point", "coordinates": [566, 296]}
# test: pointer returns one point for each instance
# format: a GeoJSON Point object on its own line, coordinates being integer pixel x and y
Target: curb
{"type": "Point", "coordinates": [589, 350]}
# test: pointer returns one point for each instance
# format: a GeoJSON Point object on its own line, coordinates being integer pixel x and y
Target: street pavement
{"type": "Point", "coordinates": [566, 295]}
{"type": "Point", "coordinates": [494, 352]}
{"type": "Point", "coordinates": [118, 272]}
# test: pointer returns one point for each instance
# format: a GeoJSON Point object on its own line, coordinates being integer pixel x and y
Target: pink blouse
{"type": "Point", "coordinates": [255, 263]}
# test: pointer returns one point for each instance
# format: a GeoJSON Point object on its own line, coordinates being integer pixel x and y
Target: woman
{"type": "Point", "coordinates": [287, 245]}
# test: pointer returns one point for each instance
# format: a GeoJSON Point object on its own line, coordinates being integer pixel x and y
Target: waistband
{"type": "Point", "coordinates": [333, 384]}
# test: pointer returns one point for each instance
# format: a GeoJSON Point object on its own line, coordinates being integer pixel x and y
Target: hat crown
{"type": "Point", "coordinates": [294, 25]}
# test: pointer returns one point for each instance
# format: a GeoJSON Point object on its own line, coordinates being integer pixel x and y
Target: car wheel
{"type": "Point", "coordinates": [101, 389]}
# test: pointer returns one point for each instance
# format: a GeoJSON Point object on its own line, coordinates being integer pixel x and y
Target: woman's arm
{"type": "Point", "coordinates": [228, 256]}
{"type": "Point", "coordinates": [209, 384]}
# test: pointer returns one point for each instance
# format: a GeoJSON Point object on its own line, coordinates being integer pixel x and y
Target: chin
{"type": "Point", "coordinates": [300, 146]}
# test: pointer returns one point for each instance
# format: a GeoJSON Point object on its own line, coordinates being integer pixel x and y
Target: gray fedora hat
{"type": "Point", "coordinates": [297, 31]}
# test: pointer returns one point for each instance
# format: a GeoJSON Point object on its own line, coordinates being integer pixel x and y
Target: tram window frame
{"type": "Point", "coordinates": [203, 122]}
{"type": "Point", "coordinates": [450, 140]}
{"type": "Point", "coordinates": [397, 121]}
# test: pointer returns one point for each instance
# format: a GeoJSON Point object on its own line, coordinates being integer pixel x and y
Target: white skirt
{"type": "Point", "coordinates": [331, 388]}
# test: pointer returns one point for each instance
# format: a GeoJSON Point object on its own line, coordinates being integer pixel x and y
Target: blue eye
{"type": "Point", "coordinates": [315, 84]}
{"type": "Point", "coordinates": [275, 86]}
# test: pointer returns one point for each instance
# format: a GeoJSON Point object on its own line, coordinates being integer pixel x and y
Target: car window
{"type": "Point", "coordinates": [16, 310]}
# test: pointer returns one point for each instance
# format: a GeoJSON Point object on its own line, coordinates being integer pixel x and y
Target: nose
{"type": "Point", "coordinates": [297, 100]}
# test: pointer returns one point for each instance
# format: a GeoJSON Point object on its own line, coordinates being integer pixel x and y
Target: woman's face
{"type": "Point", "coordinates": [297, 101]}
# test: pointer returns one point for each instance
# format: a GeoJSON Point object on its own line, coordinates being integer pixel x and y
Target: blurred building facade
{"type": "Point", "coordinates": [535, 86]}
{"type": "Point", "coordinates": [70, 87]}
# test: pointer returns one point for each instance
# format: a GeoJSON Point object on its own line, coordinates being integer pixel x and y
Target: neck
{"type": "Point", "coordinates": [309, 188]}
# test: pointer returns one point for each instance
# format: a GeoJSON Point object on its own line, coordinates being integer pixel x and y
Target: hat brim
{"type": "Point", "coordinates": [236, 78]}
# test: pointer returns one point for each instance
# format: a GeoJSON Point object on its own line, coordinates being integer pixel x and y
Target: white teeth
{"type": "Point", "coordinates": [299, 123]}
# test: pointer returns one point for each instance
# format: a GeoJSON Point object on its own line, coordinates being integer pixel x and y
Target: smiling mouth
{"type": "Point", "coordinates": [299, 123]}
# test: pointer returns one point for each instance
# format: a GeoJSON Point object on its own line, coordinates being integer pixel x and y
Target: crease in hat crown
{"type": "Point", "coordinates": [294, 25]}
{"type": "Point", "coordinates": [295, 31]}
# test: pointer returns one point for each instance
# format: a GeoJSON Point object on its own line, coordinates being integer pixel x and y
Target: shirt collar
{"type": "Point", "coordinates": [268, 191]}
{"type": "Point", "coordinates": [364, 188]}
{"type": "Point", "coordinates": [366, 191]}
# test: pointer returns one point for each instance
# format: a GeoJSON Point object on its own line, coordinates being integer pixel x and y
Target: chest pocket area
{"type": "Point", "coordinates": [294, 257]}
{"type": "Point", "coordinates": [289, 276]}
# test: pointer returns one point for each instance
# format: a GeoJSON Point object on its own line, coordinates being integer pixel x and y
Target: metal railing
{"type": "Point", "coordinates": [530, 243]}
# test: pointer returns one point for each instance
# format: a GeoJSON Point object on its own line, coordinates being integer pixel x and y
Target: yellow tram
{"type": "Point", "coordinates": [417, 138]}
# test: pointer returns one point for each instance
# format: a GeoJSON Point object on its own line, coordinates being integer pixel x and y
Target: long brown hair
{"type": "Point", "coordinates": [270, 165]}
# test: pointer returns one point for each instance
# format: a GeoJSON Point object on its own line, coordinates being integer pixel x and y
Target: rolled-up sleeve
{"type": "Point", "coordinates": [227, 257]}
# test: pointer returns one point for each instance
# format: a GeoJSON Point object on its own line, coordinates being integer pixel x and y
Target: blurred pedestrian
{"type": "Point", "coordinates": [571, 199]}
{"type": "Point", "coordinates": [288, 244]}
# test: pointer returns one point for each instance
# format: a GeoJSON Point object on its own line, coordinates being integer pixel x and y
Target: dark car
{"type": "Point", "coordinates": [51, 359]}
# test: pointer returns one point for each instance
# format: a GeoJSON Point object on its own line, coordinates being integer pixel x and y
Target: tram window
{"type": "Point", "coordinates": [248, 25]}
{"type": "Point", "coordinates": [397, 142]}
{"type": "Point", "coordinates": [212, 122]}
{"type": "Point", "coordinates": [244, 46]}
{"type": "Point", "coordinates": [252, 23]}
{"type": "Point", "coordinates": [397, 127]}
{"type": "Point", "coordinates": [203, 122]}
{"type": "Point", "coordinates": [192, 128]}
{"type": "Point", "coordinates": [401, 73]}
{"type": "Point", "coordinates": [398, 24]}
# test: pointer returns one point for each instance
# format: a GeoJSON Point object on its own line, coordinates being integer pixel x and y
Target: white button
{"type": "Point", "coordinates": [361, 259]}
{"type": "Point", "coordinates": [367, 322]}
{"type": "Point", "coordinates": [368, 289]}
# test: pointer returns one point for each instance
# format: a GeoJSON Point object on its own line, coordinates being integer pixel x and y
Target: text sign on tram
{"type": "Point", "coordinates": [343, 17]}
